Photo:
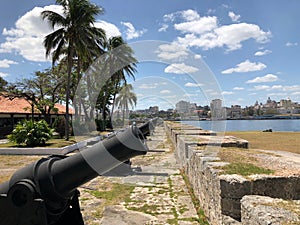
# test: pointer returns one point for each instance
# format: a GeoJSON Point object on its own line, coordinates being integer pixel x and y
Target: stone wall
{"type": "Point", "coordinates": [220, 195]}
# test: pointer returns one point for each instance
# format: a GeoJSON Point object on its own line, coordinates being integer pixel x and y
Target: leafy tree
{"type": "Point", "coordinates": [76, 36]}
{"type": "Point", "coordinates": [3, 84]}
{"type": "Point", "coordinates": [126, 98]}
{"type": "Point", "coordinates": [32, 133]}
{"type": "Point", "coordinates": [43, 91]}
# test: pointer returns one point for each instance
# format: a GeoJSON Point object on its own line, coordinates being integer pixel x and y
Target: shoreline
{"type": "Point", "coordinates": [256, 118]}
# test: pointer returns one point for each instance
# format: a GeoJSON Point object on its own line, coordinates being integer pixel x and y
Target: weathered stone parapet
{"type": "Point", "coordinates": [220, 194]}
{"type": "Point", "coordinates": [257, 210]}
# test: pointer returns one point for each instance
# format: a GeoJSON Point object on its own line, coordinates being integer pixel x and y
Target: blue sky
{"type": "Point", "coordinates": [240, 51]}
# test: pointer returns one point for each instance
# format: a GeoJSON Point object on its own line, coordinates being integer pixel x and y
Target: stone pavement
{"type": "Point", "coordinates": [159, 194]}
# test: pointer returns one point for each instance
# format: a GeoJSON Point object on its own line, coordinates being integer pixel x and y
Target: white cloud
{"type": "Point", "coordinates": [180, 68]}
{"type": "Point", "coordinates": [190, 15]}
{"type": "Point", "coordinates": [169, 17]}
{"type": "Point", "coordinates": [6, 63]}
{"type": "Point", "coordinates": [290, 44]}
{"type": "Point", "coordinates": [198, 56]}
{"type": "Point", "coordinates": [206, 32]}
{"type": "Point", "coordinates": [229, 36]}
{"type": "Point", "coordinates": [30, 30]}
{"type": "Point", "coordinates": [165, 92]}
{"type": "Point", "coordinates": [3, 74]}
{"type": "Point", "coordinates": [147, 86]}
{"type": "Point", "coordinates": [172, 51]}
{"type": "Point", "coordinates": [111, 30]}
{"type": "Point", "coordinates": [163, 28]}
{"type": "Point", "coordinates": [264, 79]}
{"type": "Point", "coordinates": [131, 32]}
{"type": "Point", "coordinates": [198, 26]}
{"type": "Point", "coordinates": [287, 88]}
{"type": "Point", "coordinates": [193, 85]}
{"type": "Point", "coordinates": [227, 93]}
{"type": "Point", "coordinates": [238, 88]}
{"type": "Point", "coordinates": [27, 37]}
{"type": "Point", "coordinates": [262, 87]}
{"type": "Point", "coordinates": [244, 67]}
{"type": "Point", "coordinates": [261, 53]}
{"type": "Point", "coordinates": [234, 17]}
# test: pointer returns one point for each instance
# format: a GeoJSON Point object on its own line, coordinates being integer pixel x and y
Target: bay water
{"type": "Point", "coordinates": [291, 125]}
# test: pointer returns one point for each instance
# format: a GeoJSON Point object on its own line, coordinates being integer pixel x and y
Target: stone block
{"type": "Point", "coordinates": [234, 186]}
{"type": "Point", "coordinates": [277, 187]}
{"type": "Point", "coordinates": [231, 207]}
{"type": "Point", "coordinates": [257, 210]}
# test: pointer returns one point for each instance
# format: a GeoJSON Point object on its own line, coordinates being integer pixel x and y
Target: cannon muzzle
{"type": "Point", "coordinates": [148, 127]}
{"type": "Point", "coordinates": [45, 192]}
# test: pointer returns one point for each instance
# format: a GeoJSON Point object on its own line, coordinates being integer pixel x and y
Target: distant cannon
{"type": "Point", "coordinates": [148, 127]}
{"type": "Point", "coordinates": [45, 192]}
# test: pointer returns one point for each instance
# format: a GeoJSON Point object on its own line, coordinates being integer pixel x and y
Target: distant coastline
{"type": "Point", "coordinates": [273, 117]}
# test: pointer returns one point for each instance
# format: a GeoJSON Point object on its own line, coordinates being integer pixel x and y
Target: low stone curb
{"type": "Point", "coordinates": [49, 151]}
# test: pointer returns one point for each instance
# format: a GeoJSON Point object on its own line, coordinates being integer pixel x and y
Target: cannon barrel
{"type": "Point", "coordinates": [46, 189]}
{"type": "Point", "coordinates": [148, 127]}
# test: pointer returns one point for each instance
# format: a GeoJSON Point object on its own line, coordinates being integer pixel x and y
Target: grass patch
{"type": "Point", "coordinates": [242, 162]}
{"type": "Point", "coordinates": [117, 193]}
{"type": "Point", "coordinates": [244, 169]}
{"type": "Point", "coordinates": [113, 194]}
{"type": "Point", "coordinates": [284, 141]}
{"type": "Point", "coordinates": [148, 209]}
{"type": "Point", "coordinates": [202, 220]}
{"type": "Point", "coordinates": [52, 143]}
{"type": "Point", "coordinates": [237, 155]}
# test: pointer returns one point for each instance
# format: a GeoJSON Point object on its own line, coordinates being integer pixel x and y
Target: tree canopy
{"type": "Point", "coordinates": [3, 84]}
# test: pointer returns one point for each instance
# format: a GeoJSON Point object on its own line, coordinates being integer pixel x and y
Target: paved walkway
{"type": "Point", "coordinates": [158, 195]}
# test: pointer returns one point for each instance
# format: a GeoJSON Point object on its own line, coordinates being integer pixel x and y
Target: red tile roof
{"type": "Point", "coordinates": [20, 105]}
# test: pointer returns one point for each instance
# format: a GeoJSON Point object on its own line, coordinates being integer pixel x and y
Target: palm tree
{"type": "Point", "coordinates": [75, 36]}
{"type": "Point", "coordinates": [125, 58]}
{"type": "Point", "coordinates": [126, 98]}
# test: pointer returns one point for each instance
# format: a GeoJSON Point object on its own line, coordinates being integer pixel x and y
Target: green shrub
{"type": "Point", "coordinates": [32, 133]}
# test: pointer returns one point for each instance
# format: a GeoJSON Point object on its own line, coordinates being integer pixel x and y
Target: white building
{"type": "Point", "coordinates": [216, 109]}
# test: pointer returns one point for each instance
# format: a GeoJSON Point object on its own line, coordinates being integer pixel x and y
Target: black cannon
{"type": "Point", "coordinates": [148, 127]}
{"type": "Point", "coordinates": [45, 192]}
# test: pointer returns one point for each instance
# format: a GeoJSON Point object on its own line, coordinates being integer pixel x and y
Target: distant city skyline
{"type": "Point", "coordinates": [193, 105]}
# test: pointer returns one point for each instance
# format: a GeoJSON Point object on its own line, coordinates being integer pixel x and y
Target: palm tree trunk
{"type": "Point", "coordinates": [114, 98]}
{"type": "Point", "coordinates": [103, 108]}
{"type": "Point", "coordinates": [70, 60]}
